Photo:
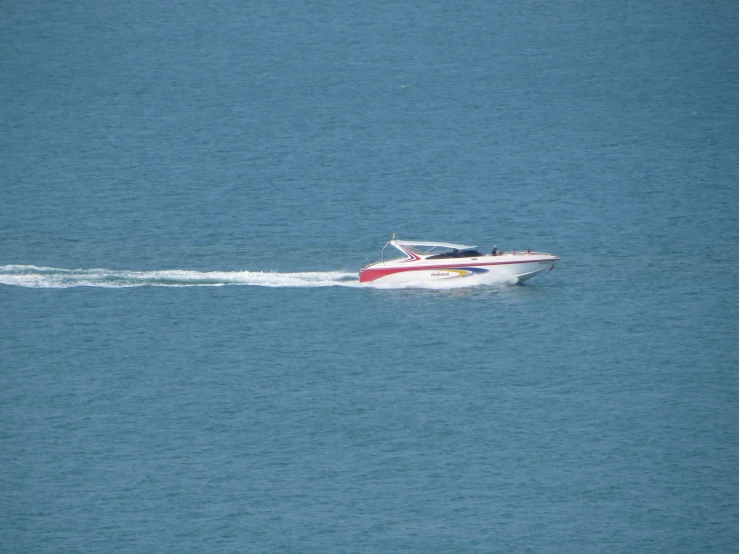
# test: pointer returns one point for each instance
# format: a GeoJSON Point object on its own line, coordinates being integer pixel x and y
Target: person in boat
{"type": "Point", "coordinates": [528, 252]}
{"type": "Point", "coordinates": [495, 251]}
{"type": "Point", "coordinates": [455, 253]}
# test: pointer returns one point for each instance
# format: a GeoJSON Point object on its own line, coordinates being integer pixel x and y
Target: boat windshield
{"type": "Point", "coordinates": [451, 253]}
{"type": "Point", "coordinates": [425, 250]}
{"type": "Point", "coordinates": [430, 250]}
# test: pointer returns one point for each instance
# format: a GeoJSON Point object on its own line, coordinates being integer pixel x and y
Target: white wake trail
{"type": "Point", "coordinates": [51, 277]}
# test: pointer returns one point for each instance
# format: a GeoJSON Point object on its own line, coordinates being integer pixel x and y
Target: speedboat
{"type": "Point", "coordinates": [433, 261]}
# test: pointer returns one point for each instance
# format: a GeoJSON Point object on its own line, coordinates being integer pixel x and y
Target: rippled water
{"type": "Point", "coordinates": [189, 363]}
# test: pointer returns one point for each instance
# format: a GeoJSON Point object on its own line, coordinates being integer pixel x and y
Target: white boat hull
{"type": "Point", "coordinates": [485, 269]}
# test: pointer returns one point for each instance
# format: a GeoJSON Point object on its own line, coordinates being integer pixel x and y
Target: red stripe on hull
{"type": "Point", "coordinates": [372, 274]}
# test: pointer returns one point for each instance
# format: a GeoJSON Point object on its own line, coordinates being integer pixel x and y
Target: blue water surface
{"type": "Point", "coordinates": [188, 363]}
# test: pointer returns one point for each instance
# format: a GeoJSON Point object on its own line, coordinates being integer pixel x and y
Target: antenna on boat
{"type": "Point", "coordinates": [393, 236]}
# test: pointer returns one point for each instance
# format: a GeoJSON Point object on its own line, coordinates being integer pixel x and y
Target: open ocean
{"type": "Point", "coordinates": [189, 364]}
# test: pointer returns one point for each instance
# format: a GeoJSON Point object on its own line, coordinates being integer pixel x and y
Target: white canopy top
{"type": "Point", "coordinates": [422, 243]}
